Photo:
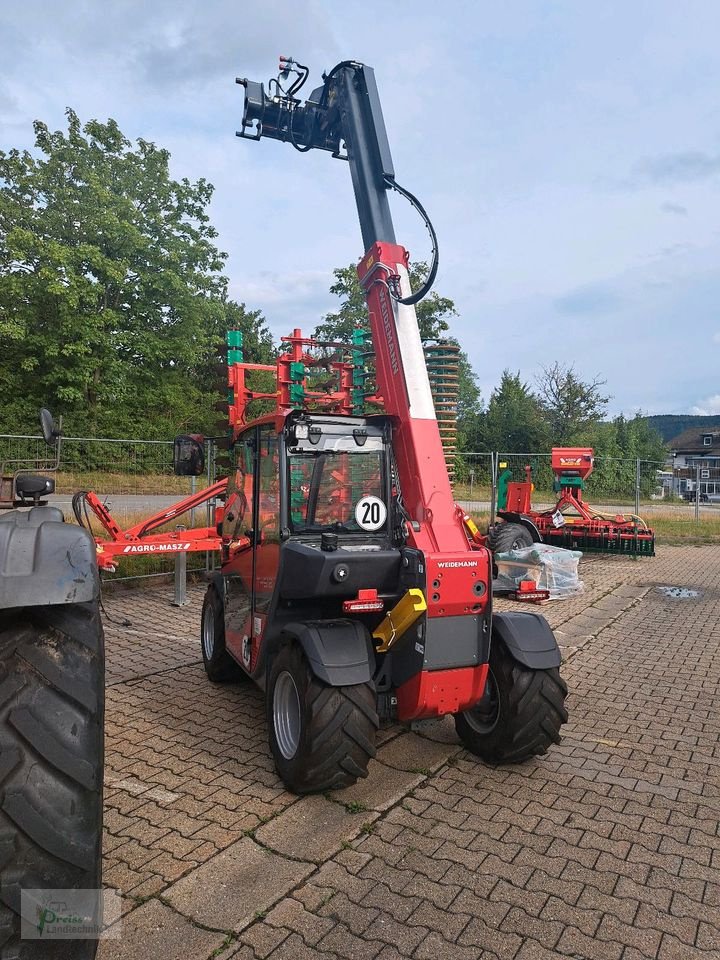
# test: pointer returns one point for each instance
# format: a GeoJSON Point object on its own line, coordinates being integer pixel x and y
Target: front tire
{"type": "Point", "coordinates": [219, 665]}
{"type": "Point", "coordinates": [52, 699]}
{"type": "Point", "coordinates": [520, 715]}
{"type": "Point", "coordinates": [321, 737]}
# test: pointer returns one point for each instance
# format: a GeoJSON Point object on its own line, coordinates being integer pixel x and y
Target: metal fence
{"type": "Point", "coordinates": [136, 478]}
{"type": "Point", "coordinates": [645, 487]}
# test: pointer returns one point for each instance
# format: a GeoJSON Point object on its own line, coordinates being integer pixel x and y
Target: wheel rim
{"type": "Point", "coordinates": [208, 632]}
{"type": "Point", "coordinates": [483, 717]}
{"type": "Point", "coordinates": [286, 715]}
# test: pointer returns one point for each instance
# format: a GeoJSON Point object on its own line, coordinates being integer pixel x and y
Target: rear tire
{"type": "Point", "coordinates": [52, 699]}
{"type": "Point", "coordinates": [520, 715]}
{"type": "Point", "coordinates": [509, 536]}
{"type": "Point", "coordinates": [219, 665]}
{"type": "Point", "coordinates": [321, 737]}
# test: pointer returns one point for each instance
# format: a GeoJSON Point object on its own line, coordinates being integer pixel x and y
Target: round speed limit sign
{"type": "Point", "coordinates": [370, 513]}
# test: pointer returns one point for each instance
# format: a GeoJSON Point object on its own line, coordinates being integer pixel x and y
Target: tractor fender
{"type": "Point", "coordinates": [523, 521]}
{"type": "Point", "coordinates": [339, 652]}
{"type": "Point", "coordinates": [44, 561]}
{"type": "Point", "coordinates": [528, 638]}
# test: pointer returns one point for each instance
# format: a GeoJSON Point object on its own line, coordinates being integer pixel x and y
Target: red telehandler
{"type": "Point", "coordinates": [350, 588]}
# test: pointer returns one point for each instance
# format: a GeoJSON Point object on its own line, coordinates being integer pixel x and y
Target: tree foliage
{"type": "Point", "coordinates": [433, 312]}
{"type": "Point", "coordinates": [112, 298]}
{"type": "Point", "coordinates": [571, 407]}
{"type": "Point", "coordinates": [513, 422]}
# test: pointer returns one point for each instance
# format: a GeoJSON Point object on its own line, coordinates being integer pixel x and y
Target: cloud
{"type": "Point", "coordinates": [675, 208]}
{"type": "Point", "coordinates": [683, 167]}
{"type": "Point", "coordinates": [588, 299]}
{"type": "Point", "coordinates": [716, 337]}
{"type": "Point", "coordinates": [193, 46]}
{"type": "Point", "coordinates": [709, 407]}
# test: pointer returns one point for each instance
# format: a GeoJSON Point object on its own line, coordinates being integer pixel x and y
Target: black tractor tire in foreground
{"type": "Point", "coordinates": [509, 536]}
{"type": "Point", "coordinates": [219, 665]}
{"type": "Point", "coordinates": [321, 737]}
{"type": "Point", "coordinates": [52, 699]}
{"type": "Point", "coordinates": [520, 715]}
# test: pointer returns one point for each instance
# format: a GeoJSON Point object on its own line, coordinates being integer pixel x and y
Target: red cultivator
{"type": "Point", "coordinates": [572, 522]}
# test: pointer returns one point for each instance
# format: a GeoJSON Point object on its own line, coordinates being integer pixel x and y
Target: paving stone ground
{"type": "Point", "coordinates": [608, 847]}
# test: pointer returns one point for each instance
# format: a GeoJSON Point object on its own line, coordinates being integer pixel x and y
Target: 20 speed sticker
{"type": "Point", "coordinates": [370, 513]}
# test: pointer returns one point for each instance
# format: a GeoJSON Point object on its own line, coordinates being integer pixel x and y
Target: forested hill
{"type": "Point", "coordinates": [672, 424]}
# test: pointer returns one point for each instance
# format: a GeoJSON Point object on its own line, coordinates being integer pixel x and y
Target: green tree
{"type": "Point", "coordinates": [513, 422]}
{"type": "Point", "coordinates": [112, 296]}
{"type": "Point", "coordinates": [433, 312]}
{"type": "Point", "coordinates": [571, 407]}
{"type": "Point", "coordinates": [470, 409]}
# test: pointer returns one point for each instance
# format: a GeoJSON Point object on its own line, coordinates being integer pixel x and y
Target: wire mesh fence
{"type": "Point", "coordinates": [136, 478]}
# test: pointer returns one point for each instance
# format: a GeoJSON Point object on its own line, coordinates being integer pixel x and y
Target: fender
{"type": "Point", "coordinates": [523, 521]}
{"type": "Point", "coordinates": [44, 560]}
{"type": "Point", "coordinates": [528, 638]}
{"type": "Point", "coordinates": [339, 652]}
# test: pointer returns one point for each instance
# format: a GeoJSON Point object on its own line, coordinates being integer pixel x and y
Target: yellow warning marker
{"type": "Point", "coordinates": [399, 620]}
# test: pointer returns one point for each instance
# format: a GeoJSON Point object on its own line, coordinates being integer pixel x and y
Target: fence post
{"type": "Point", "coordinates": [697, 494]}
{"type": "Point", "coordinates": [494, 458]}
{"type": "Point", "coordinates": [180, 575]}
{"type": "Point", "coordinates": [193, 489]}
{"type": "Point", "coordinates": [637, 487]}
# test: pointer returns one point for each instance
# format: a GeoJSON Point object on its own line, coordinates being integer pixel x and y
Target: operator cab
{"type": "Point", "coordinates": [338, 482]}
{"type": "Point", "coordinates": [311, 518]}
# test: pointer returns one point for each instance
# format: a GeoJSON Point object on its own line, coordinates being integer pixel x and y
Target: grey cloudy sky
{"type": "Point", "coordinates": [568, 153]}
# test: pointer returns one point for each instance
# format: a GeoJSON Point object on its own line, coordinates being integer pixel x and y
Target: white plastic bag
{"type": "Point", "coordinates": [552, 568]}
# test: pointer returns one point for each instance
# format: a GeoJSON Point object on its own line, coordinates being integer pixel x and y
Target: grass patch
{"type": "Point", "coordinates": [686, 531]}
{"type": "Point", "coordinates": [117, 484]}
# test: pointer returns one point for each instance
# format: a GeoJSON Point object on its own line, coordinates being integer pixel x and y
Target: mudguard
{"type": "Point", "coordinates": [339, 652]}
{"type": "Point", "coordinates": [45, 561]}
{"type": "Point", "coordinates": [528, 638]}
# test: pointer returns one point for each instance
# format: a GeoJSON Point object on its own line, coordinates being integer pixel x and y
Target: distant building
{"type": "Point", "coordinates": [696, 448]}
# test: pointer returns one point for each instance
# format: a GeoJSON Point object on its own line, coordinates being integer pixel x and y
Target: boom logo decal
{"type": "Point", "coordinates": [389, 332]}
{"type": "Point", "coordinates": [457, 563]}
{"type": "Point", "coordinates": [156, 547]}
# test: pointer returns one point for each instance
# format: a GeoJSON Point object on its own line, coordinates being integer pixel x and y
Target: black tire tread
{"type": "Point", "coordinates": [503, 535]}
{"type": "Point", "coordinates": [340, 725]}
{"type": "Point", "coordinates": [532, 711]}
{"type": "Point", "coordinates": [221, 667]}
{"type": "Point", "coordinates": [51, 761]}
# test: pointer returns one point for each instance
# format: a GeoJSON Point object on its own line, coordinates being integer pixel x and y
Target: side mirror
{"type": "Point", "coordinates": [51, 433]}
{"type": "Point", "coordinates": [189, 455]}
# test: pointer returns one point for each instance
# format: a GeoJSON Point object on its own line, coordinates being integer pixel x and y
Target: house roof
{"type": "Point", "coordinates": [691, 441]}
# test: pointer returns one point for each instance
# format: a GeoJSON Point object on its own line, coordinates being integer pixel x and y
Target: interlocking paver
{"type": "Point", "coordinates": [607, 847]}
